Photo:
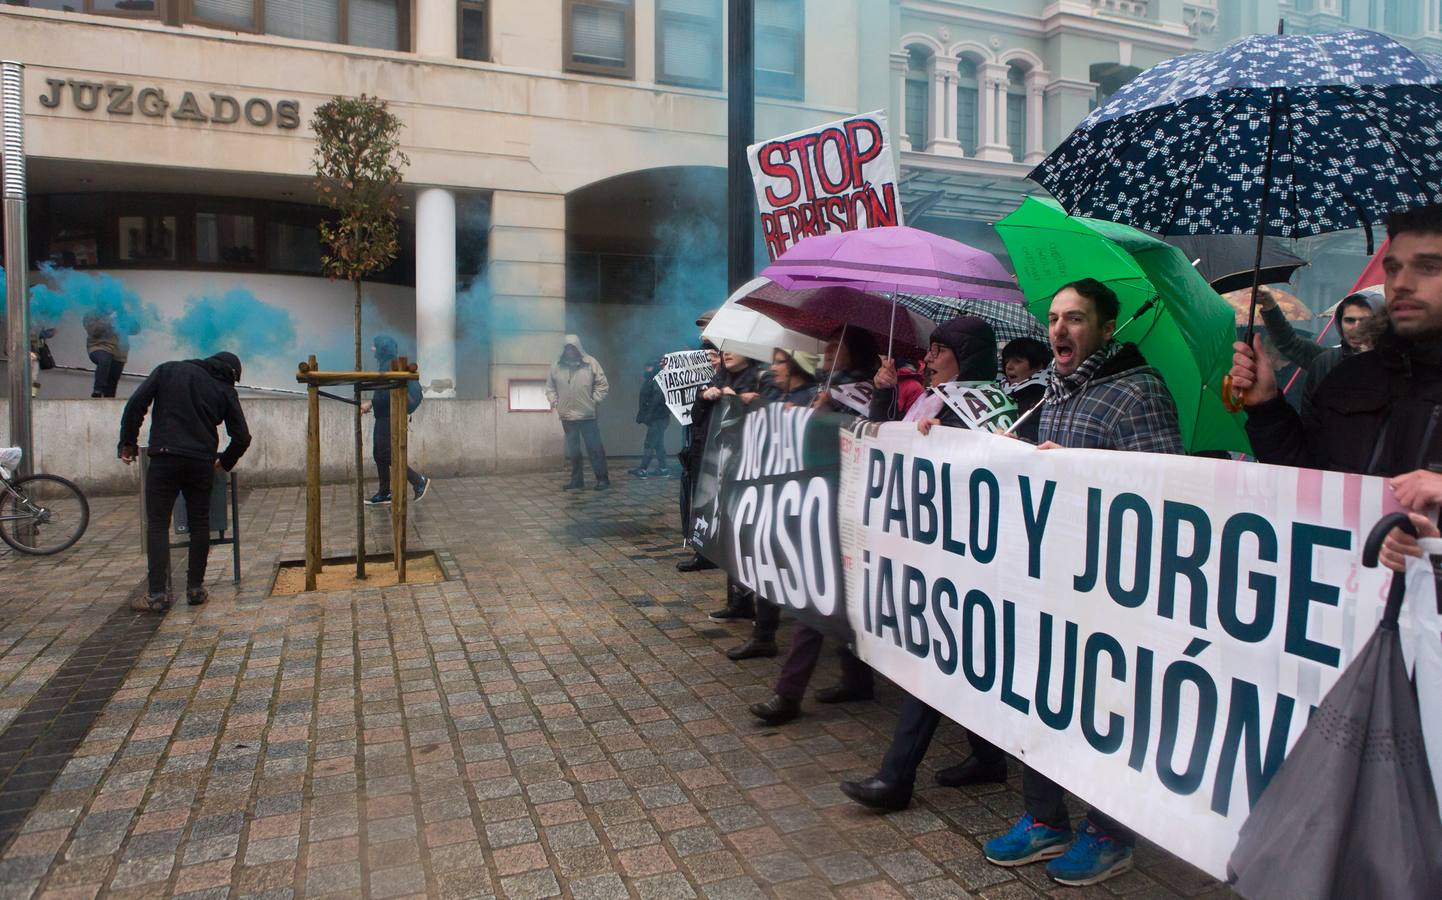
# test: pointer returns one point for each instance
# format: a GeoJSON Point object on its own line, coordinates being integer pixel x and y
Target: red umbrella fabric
{"type": "Point", "coordinates": [895, 259]}
{"type": "Point", "coordinates": [821, 312]}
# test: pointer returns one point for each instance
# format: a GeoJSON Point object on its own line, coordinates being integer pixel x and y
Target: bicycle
{"type": "Point", "coordinates": [39, 514]}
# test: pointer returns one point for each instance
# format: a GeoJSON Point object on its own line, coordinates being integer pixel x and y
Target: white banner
{"type": "Point", "coordinates": [981, 405]}
{"type": "Point", "coordinates": [681, 375]}
{"type": "Point", "coordinates": [1151, 632]}
{"type": "Point", "coordinates": [840, 176]}
{"type": "Point", "coordinates": [855, 396]}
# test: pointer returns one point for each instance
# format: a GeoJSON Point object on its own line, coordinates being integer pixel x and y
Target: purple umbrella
{"type": "Point", "coordinates": [894, 259]}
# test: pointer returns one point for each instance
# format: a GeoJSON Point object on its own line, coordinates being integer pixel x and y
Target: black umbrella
{"type": "Point", "coordinates": [1352, 811]}
{"type": "Point", "coordinates": [1226, 260]}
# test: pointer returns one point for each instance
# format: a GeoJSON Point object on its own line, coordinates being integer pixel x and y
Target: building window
{"type": "Point", "coordinates": [310, 20]}
{"type": "Point", "coordinates": [599, 37]}
{"type": "Point", "coordinates": [145, 238]}
{"type": "Point", "coordinates": [780, 49]}
{"type": "Point", "coordinates": [474, 31]}
{"type": "Point", "coordinates": [293, 241]}
{"type": "Point", "coordinates": [236, 14]}
{"type": "Point", "coordinates": [178, 231]}
{"type": "Point", "coordinates": [382, 24]}
{"type": "Point", "coordinates": [918, 97]}
{"type": "Point", "coordinates": [1016, 112]}
{"type": "Point", "coordinates": [373, 23]}
{"type": "Point", "coordinates": [225, 239]}
{"type": "Point", "coordinates": [968, 112]}
{"type": "Point", "coordinates": [688, 42]}
{"type": "Point", "coordinates": [145, 9]}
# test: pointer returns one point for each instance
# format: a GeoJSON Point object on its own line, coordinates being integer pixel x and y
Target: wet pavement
{"type": "Point", "coordinates": [557, 720]}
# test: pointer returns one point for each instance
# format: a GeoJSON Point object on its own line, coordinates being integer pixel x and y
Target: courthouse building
{"type": "Point", "coordinates": [169, 146]}
{"type": "Point", "coordinates": [566, 156]}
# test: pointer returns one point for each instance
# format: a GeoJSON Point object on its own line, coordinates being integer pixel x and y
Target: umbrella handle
{"type": "Point", "coordinates": [1231, 399]}
{"type": "Point", "coordinates": [1373, 546]}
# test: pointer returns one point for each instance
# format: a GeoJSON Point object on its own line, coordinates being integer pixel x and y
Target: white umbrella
{"type": "Point", "coordinates": [736, 329]}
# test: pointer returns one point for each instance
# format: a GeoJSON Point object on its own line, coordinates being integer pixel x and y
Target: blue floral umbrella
{"type": "Point", "coordinates": [1330, 131]}
{"type": "Point", "coordinates": [1285, 135]}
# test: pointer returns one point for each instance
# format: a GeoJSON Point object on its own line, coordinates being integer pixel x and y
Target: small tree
{"type": "Point", "coordinates": [358, 164]}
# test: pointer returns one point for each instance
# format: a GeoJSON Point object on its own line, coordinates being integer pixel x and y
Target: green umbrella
{"type": "Point", "coordinates": [1182, 326]}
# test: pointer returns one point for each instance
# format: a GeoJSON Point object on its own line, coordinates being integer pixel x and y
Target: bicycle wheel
{"type": "Point", "coordinates": [42, 514]}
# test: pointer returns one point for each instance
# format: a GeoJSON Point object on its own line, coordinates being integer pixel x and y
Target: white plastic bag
{"type": "Point", "coordinates": [9, 459]}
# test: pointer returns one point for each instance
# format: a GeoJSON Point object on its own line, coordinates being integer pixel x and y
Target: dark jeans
{"type": "Point", "coordinates": [107, 372]}
{"type": "Point", "coordinates": [586, 429]}
{"type": "Point", "coordinates": [167, 476]}
{"type": "Point", "coordinates": [655, 444]}
{"type": "Point", "coordinates": [914, 731]}
{"type": "Point", "coordinates": [687, 474]}
{"type": "Point", "coordinates": [801, 662]}
{"type": "Point", "coordinates": [768, 620]}
{"type": "Point", "coordinates": [1046, 802]}
{"type": "Point", "coordinates": [381, 439]}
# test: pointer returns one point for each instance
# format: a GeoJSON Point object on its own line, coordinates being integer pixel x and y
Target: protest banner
{"type": "Point", "coordinates": [681, 375]}
{"type": "Point", "coordinates": [840, 176]}
{"type": "Point", "coordinates": [981, 405]}
{"type": "Point", "coordinates": [1150, 632]}
{"type": "Point", "coordinates": [763, 507]}
{"type": "Point", "coordinates": [855, 396]}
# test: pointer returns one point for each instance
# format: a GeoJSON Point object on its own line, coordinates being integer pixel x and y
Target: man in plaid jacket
{"type": "Point", "coordinates": [1102, 396]}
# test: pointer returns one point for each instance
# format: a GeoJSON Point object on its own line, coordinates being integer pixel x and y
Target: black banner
{"type": "Point", "coordinates": [764, 507]}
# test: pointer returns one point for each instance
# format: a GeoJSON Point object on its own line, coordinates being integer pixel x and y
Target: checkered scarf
{"type": "Point", "coordinates": [1060, 388]}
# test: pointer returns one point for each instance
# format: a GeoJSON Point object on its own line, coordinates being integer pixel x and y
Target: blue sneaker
{"type": "Point", "coordinates": [1028, 841]}
{"type": "Point", "coordinates": [1092, 858]}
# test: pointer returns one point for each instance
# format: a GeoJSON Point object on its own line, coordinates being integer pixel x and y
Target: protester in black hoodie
{"type": "Point", "coordinates": [385, 350]}
{"type": "Point", "coordinates": [652, 412]}
{"type": "Point", "coordinates": [191, 399]}
{"type": "Point", "coordinates": [738, 377]}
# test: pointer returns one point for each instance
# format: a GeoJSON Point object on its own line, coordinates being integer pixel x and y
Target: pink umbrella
{"type": "Point", "coordinates": [895, 259]}
{"type": "Point", "coordinates": [821, 312]}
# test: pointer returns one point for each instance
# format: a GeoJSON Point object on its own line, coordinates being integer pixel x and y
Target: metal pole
{"type": "Point", "coordinates": [17, 264]}
{"type": "Point", "coordinates": [740, 130]}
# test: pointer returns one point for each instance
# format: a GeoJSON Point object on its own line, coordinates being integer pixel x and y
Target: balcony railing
{"type": "Point", "coordinates": [1132, 9]}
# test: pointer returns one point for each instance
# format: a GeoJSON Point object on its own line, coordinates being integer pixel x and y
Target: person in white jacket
{"type": "Point", "coordinates": [575, 388]}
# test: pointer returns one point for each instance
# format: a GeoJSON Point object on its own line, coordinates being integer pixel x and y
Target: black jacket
{"type": "Point", "coordinates": [1376, 413]}
{"type": "Point", "coordinates": [191, 399]}
{"type": "Point", "coordinates": [746, 381]}
{"type": "Point", "coordinates": [651, 407]}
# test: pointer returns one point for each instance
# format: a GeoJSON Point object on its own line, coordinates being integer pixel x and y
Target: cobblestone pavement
{"type": "Point", "coordinates": [554, 721]}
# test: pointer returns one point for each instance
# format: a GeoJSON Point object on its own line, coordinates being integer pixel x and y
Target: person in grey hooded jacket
{"type": "Point", "coordinates": [1358, 319]}
{"type": "Point", "coordinates": [575, 388]}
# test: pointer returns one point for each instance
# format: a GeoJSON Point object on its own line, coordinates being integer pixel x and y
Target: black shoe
{"type": "Point", "coordinates": [572, 485]}
{"type": "Point", "coordinates": [877, 794]}
{"type": "Point", "coordinates": [731, 614]}
{"type": "Point", "coordinates": [843, 693]}
{"type": "Point", "coordinates": [423, 489]}
{"type": "Point", "coordinates": [776, 711]}
{"type": "Point", "coordinates": [756, 648]}
{"type": "Point", "coordinates": [381, 498]}
{"type": "Point", "coordinates": [639, 472]}
{"type": "Point", "coordinates": [196, 596]}
{"type": "Point", "coordinates": [972, 771]}
{"type": "Point", "coordinates": [602, 485]}
{"type": "Point", "coordinates": [697, 563]}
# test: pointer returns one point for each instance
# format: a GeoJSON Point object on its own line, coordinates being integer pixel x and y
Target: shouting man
{"type": "Point", "coordinates": [1102, 395]}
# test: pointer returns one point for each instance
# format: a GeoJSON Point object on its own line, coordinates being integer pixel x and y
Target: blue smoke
{"type": "Point", "coordinates": [81, 293]}
{"type": "Point", "coordinates": [335, 352]}
{"type": "Point", "coordinates": [236, 321]}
